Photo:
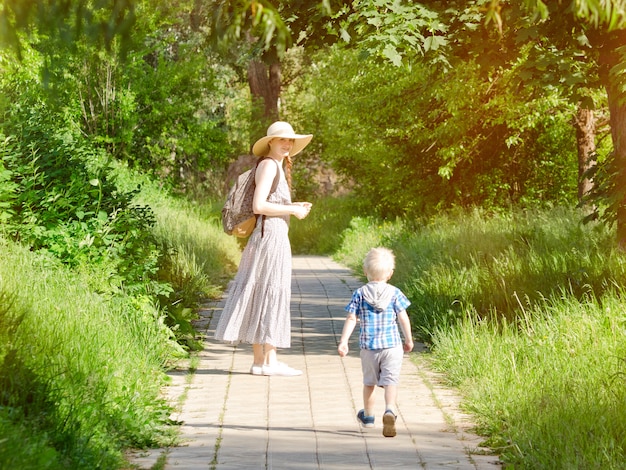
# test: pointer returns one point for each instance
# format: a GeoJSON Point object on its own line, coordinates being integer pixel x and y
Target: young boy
{"type": "Point", "coordinates": [380, 307]}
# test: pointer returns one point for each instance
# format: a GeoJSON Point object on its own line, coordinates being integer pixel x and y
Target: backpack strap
{"type": "Point", "coordinates": [274, 186]}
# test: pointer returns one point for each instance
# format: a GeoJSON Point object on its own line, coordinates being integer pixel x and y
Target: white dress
{"type": "Point", "coordinates": [257, 308]}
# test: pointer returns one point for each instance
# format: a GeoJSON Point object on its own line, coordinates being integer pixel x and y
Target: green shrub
{"type": "Point", "coordinates": [82, 369]}
{"type": "Point", "coordinates": [64, 200]}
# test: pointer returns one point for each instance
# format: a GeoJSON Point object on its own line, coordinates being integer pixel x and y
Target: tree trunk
{"type": "Point", "coordinates": [265, 84]}
{"type": "Point", "coordinates": [617, 109]}
{"type": "Point", "coordinates": [610, 56]}
{"type": "Point", "coordinates": [585, 124]}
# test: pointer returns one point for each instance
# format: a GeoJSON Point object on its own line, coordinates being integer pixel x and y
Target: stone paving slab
{"type": "Point", "coordinates": [234, 420]}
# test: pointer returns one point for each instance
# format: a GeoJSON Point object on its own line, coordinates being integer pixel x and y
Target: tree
{"type": "Point", "coordinates": [66, 20]}
{"type": "Point", "coordinates": [255, 30]}
{"type": "Point", "coordinates": [574, 46]}
{"type": "Point", "coordinates": [256, 33]}
{"type": "Point", "coordinates": [153, 95]}
{"type": "Point", "coordinates": [599, 28]}
{"type": "Point", "coordinates": [413, 141]}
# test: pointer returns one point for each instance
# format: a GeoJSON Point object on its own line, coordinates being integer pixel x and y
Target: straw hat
{"type": "Point", "coordinates": [283, 130]}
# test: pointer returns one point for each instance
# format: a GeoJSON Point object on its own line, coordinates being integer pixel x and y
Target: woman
{"type": "Point", "coordinates": [257, 309]}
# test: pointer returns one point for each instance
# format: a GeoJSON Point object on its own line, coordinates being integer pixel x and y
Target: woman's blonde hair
{"type": "Point", "coordinates": [379, 263]}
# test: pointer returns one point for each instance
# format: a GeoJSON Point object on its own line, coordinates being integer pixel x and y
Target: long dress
{"type": "Point", "coordinates": [257, 308]}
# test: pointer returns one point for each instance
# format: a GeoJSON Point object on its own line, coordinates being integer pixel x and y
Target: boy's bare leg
{"type": "Point", "coordinates": [391, 395]}
{"type": "Point", "coordinates": [369, 399]}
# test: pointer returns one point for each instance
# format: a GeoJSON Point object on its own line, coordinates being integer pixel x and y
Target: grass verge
{"type": "Point", "coordinates": [524, 313]}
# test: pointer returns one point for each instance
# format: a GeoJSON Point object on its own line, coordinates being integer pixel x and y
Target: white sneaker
{"type": "Point", "coordinates": [281, 369]}
{"type": "Point", "coordinates": [256, 370]}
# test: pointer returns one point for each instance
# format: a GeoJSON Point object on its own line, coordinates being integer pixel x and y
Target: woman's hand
{"type": "Point", "coordinates": [301, 209]}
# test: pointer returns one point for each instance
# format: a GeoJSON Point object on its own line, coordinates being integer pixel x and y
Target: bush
{"type": "Point", "coordinates": [82, 370]}
{"type": "Point", "coordinates": [63, 199]}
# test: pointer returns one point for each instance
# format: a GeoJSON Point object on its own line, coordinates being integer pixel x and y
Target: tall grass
{"type": "Point", "coordinates": [83, 356]}
{"type": "Point", "coordinates": [81, 372]}
{"type": "Point", "coordinates": [321, 232]}
{"type": "Point", "coordinates": [495, 264]}
{"type": "Point", "coordinates": [549, 391]}
{"type": "Point", "coordinates": [524, 312]}
{"type": "Point", "coordinates": [200, 259]}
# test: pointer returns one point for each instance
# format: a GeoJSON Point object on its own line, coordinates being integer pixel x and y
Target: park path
{"type": "Point", "coordinates": [234, 420]}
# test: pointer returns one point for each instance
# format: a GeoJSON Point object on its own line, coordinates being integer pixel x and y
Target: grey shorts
{"type": "Point", "coordinates": [381, 366]}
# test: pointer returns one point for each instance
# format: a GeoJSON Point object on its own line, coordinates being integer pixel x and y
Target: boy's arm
{"type": "Point", "coordinates": [405, 326]}
{"type": "Point", "coordinates": [348, 328]}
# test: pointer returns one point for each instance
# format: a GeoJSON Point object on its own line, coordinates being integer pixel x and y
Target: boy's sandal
{"type": "Point", "coordinates": [389, 424]}
{"type": "Point", "coordinates": [366, 421]}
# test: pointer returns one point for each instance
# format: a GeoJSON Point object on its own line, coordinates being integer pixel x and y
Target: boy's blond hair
{"type": "Point", "coordinates": [379, 264]}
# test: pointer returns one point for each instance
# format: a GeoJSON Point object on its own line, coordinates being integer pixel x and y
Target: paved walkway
{"type": "Point", "coordinates": [233, 420]}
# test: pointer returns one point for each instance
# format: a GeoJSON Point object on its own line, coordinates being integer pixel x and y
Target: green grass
{"type": "Point", "coordinates": [199, 258]}
{"type": "Point", "coordinates": [81, 370]}
{"type": "Point", "coordinates": [321, 232]}
{"type": "Point", "coordinates": [83, 357]}
{"type": "Point", "coordinates": [549, 391]}
{"type": "Point", "coordinates": [524, 313]}
{"type": "Point", "coordinates": [203, 257]}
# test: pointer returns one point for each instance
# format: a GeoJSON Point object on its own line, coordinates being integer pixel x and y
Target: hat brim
{"type": "Point", "coordinates": [261, 147]}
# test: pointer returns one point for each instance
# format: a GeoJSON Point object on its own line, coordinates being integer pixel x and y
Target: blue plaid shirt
{"type": "Point", "coordinates": [379, 329]}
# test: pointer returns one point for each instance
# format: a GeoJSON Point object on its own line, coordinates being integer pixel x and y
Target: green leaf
{"type": "Point", "coordinates": [391, 53]}
{"type": "Point", "coordinates": [542, 10]}
{"type": "Point", "coordinates": [432, 43]}
{"type": "Point", "coordinates": [345, 35]}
